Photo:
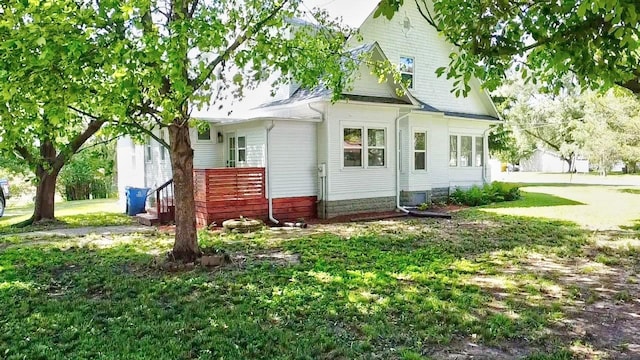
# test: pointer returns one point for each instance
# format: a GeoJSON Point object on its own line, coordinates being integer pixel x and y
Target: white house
{"type": "Point", "coordinates": [371, 151]}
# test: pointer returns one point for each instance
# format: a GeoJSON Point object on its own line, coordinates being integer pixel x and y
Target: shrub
{"type": "Point", "coordinates": [487, 194]}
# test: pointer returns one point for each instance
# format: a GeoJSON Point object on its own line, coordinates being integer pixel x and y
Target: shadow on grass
{"type": "Point", "coordinates": [72, 221]}
{"type": "Point", "coordinates": [389, 288]}
{"type": "Point", "coordinates": [534, 199]}
{"type": "Point", "coordinates": [634, 227]}
{"type": "Point", "coordinates": [630, 191]}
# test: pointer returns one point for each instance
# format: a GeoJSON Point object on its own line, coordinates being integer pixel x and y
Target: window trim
{"type": "Point", "coordinates": [238, 148]}
{"type": "Point", "coordinates": [383, 147]}
{"type": "Point", "coordinates": [148, 150]}
{"type": "Point", "coordinates": [163, 150]}
{"type": "Point", "coordinates": [413, 73]}
{"type": "Point", "coordinates": [426, 150]}
{"type": "Point", "coordinates": [204, 141]}
{"type": "Point", "coordinates": [475, 151]}
{"type": "Point", "coordinates": [364, 154]}
{"type": "Point", "coordinates": [474, 137]}
{"type": "Point", "coordinates": [469, 163]}
{"type": "Point", "coordinates": [362, 147]}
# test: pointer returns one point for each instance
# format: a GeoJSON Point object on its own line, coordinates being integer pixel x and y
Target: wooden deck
{"type": "Point", "coordinates": [229, 193]}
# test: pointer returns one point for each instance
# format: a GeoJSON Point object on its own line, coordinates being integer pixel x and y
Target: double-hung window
{"type": "Point", "coordinates": [242, 149]}
{"type": "Point", "coordinates": [466, 151]}
{"type": "Point", "coordinates": [420, 150]}
{"type": "Point", "coordinates": [453, 150]}
{"type": "Point", "coordinates": [479, 151]}
{"type": "Point", "coordinates": [163, 150]}
{"type": "Point", "coordinates": [147, 149]}
{"type": "Point", "coordinates": [376, 146]}
{"type": "Point", "coordinates": [407, 70]}
{"type": "Point", "coordinates": [355, 145]}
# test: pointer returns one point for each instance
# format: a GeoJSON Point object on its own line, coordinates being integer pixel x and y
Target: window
{"type": "Point", "coordinates": [355, 146]}
{"type": "Point", "coordinates": [204, 135]}
{"type": "Point", "coordinates": [469, 153]}
{"type": "Point", "coordinates": [376, 147]}
{"type": "Point", "coordinates": [420, 151]}
{"type": "Point", "coordinates": [466, 149]}
{"type": "Point", "coordinates": [453, 150]}
{"type": "Point", "coordinates": [479, 151]}
{"type": "Point", "coordinates": [163, 150]}
{"type": "Point", "coordinates": [147, 149]}
{"type": "Point", "coordinates": [407, 70]}
{"type": "Point", "coordinates": [242, 149]}
{"type": "Point", "coordinates": [352, 142]}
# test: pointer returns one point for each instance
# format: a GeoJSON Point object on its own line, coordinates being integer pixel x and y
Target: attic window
{"type": "Point", "coordinates": [407, 70]}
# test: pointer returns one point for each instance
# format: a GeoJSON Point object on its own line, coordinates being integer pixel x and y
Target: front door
{"type": "Point", "coordinates": [231, 150]}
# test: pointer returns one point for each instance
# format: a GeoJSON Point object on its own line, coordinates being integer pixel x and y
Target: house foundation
{"type": "Point", "coordinates": [354, 206]}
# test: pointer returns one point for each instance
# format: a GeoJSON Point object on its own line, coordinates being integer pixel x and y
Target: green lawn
{"type": "Point", "coordinates": [482, 284]}
{"type": "Point", "coordinates": [101, 212]}
{"type": "Point", "coordinates": [594, 207]}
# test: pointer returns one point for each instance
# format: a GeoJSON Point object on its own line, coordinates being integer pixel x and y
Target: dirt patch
{"type": "Point", "coordinates": [467, 350]}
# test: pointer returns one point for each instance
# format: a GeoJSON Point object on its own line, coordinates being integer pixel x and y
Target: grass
{"type": "Point", "coordinates": [102, 212]}
{"type": "Point", "coordinates": [399, 290]}
{"type": "Point", "coordinates": [404, 289]}
{"type": "Point", "coordinates": [595, 207]}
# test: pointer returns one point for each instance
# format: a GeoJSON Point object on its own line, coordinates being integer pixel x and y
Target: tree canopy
{"type": "Point", "coordinates": [147, 64]}
{"type": "Point", "coordinates": [598, 41]}
{"type": "Point", "coordinates": [602, 127]}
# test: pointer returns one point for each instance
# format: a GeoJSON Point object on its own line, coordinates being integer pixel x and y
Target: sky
{"type": "Point", "coordinates": [353, 12]}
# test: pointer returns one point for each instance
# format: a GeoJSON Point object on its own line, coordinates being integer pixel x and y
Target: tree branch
{"type": "Point", "coordinates": [97, 144]}
{"type": "Point", "coordinates": [75, 144]}
{"type": "Point", "coordinates": [148, 132]}
{"type": "Point", "coordinates": [196, 84]}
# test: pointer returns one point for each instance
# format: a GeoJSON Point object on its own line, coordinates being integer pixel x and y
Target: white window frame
{"type": "Point", "coordinates": [238, 148]}
{"type": "Point", "coordinates": [414, 151]}
{"type": "Point", "coordinates": [383, 148]}
{"type": "Point", "coordinates": [474, 137]}
{"type": "Point", "coordinates": [204, 141]}
{"type": "Point", "coordinates": [475, 151]}
{"type": "Point", "coordinates": [163, 150]}
{"type": "Point", "coordinates": [364, 154]}
{"type": "Point", "coordinates": [362, 147]}
{"type": "Point", "coordinates": [148, 151]}
{"type": "Point", "coordinates": [412, 73]}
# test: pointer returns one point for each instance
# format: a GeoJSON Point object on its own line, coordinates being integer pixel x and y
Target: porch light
{"type": "Point", "coordinates": [220, 137]}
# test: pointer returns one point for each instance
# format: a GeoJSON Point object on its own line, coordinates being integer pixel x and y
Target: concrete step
{"type": "Point", "coordinates": [148, 219]}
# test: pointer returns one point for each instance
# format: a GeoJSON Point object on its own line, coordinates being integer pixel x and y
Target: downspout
{"type": "Point", "coordinates": [398, 162]}
{"type": "Point", "coordinates": [485, 161]}
{"type": "Point", "coordinates": [268, 170]}
{"type": "Point", "coordinates": [323, 179]}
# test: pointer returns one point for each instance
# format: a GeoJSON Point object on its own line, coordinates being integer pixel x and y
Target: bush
{"type": "Point", "coordinates": [487, 194]}
{"type": "Point", "coordinates": [89, 174]}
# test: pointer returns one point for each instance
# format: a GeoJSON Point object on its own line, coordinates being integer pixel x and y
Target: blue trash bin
{"type": "Point", "coordinates": [136, 199]}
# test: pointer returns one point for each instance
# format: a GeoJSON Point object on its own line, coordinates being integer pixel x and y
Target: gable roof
{"type": "Point", "coordinates": [321, 92]}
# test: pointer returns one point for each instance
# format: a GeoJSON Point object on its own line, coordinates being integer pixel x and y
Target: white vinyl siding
{"type": "Point", "coordinates": [429, 50]}
{"type": "Point", "coordinates": [359, 182]}
{"type": "Point", "coordinates": [293, 147]}
{"type": "Point", "coordinates": [158, 170]}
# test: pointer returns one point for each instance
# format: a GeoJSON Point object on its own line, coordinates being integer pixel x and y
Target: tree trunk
{"type": "Point", "coordinates": [185, 247]}
{"type": "Point", "coordinates": [45, 196]}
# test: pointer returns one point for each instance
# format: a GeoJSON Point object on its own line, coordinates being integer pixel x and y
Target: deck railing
{"type": "Point", "coordinates": [229, 184]}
